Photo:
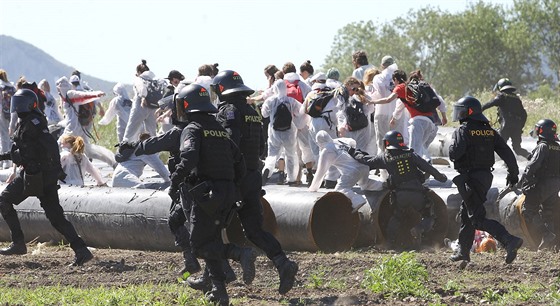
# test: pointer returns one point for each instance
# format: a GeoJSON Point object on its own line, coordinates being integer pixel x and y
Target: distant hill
{"type": "Point", "coordinates": [20, 58]}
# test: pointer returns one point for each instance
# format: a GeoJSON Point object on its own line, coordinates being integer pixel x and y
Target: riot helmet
{"type": "Point", "coordinates": [545, 129]}
{"type": "Point", "coordinates": [23, 101]}
{"type": "Point", "coordinates": [504, 84]}
{"type": "Point", "coordinates": [193, 99]}
{"type": "Point", "coordinates": [468, 108]}
{"type": "Point", "coordinates": [394, 140]}
{"type": "Point", "coordinates": [228, 82]}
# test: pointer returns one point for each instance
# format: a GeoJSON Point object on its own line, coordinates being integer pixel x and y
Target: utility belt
{"type": "Point", "coordinates": [465, 171]}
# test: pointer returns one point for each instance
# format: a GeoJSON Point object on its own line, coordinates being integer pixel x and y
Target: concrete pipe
{"type": "Point", "coordinates": [370, 233]}
{"type": "Point", "coordinates": [312, 221]}
{"type": "Point", "coordinates": [235, 232]}
{"type": "Point", "coordinates": [104, 217]}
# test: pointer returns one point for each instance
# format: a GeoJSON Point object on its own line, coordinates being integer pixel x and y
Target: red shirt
{"type": "Point", "coordinates": [401, 92]}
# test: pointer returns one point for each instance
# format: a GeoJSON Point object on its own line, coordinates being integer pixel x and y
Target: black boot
{"type": "Point", "coordinates": [201, 283]}
{"type": "Point", "coordinates": [246, 257]}
{"type": "Point", "coordinates": [287, 270]}
{"type": "Point", "coordinates": [328, 184]}
{"type": "Point", "coordinates": [512, 245]}
{"type": "Point", "coordinates": [218, 294]}
{"type": "Point", "coordinates": [281, 178]}
{"type": "Point", "coordinates": [15, 248]}
{"type": "Point", "coordinates": [230, 274]}
{"type": "Point", "coordinates": [82, 255]}
{"type": "Point", "coordinates": [191, 263]}
{"type": "Point", "coordinates": [309, 177]}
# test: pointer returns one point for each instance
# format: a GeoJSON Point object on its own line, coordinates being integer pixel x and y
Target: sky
{"type": "Point", "coordinates": [108, 39]}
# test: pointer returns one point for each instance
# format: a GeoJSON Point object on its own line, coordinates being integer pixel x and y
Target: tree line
{"type": "Point", "coordinates": [465, 52]}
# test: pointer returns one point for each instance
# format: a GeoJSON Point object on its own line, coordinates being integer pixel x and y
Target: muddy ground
{"type": "Point", "coordinates": [323, 279]}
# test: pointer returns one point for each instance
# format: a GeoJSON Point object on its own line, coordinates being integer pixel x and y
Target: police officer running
{"type": "Point", "coordinates": [472, 152]}
{"type": "Point", "coordinates": [541, 183]}
{"type": "Point", "coordinates": [36, 151]}
{"type": "Point", "coordinates": [406, 177]}
{"type": "Point", "coordinates": [209, 196]}
{"type": "Point", "coordinates": [511, 114]}
{"type": "Point", "coordinates": [244, 125]}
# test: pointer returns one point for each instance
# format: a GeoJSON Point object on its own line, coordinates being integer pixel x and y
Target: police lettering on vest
{"type": "Point", "coordinates": [215, 133]}
{"type": "Point", "coordinates": [482, 133]}
{"type": "Point", "coordinates": [254, 119]}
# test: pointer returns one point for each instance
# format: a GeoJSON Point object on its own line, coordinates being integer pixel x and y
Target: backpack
{"type": "Point", "coordinates": [126, 103]}
{"type": "Point", "coordinates": [282, 118]}
{"type": "Point", "coordinates": [424, 97]}
{"type": "Point", "coordinates": [355, 116]}
{"type": "Point", "coordinates": [316, 105]}
{"type": "Point", "coordinates": [155, 92]}
{"type": "Point", "coordinates": [85, 113]}
{"type": "Point", "coordinates": [293, 90]}
{"type": "Point", "coordinates": [7, 93]}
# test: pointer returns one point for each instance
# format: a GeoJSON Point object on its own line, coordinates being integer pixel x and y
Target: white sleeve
{"type": "Point", "coordinates": [265, 109]}
{"type": "Point", "coordinates": [398, 109]}
{"type": "Point", "coordinates": [110, 112]}
{"type": "Point", "coordinates": [326, 158]}
{"type": "Point", "coordinates": [91, 169]}
{"type": "Point", "coordinates": [153, 161]}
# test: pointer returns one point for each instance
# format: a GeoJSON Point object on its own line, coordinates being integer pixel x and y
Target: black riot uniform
{"type": "Point", "coordinates": [406, 177]}
{"type": "Point", "coordinates": [36, 151]}
{"type": "Point", "coordinates": [244, 125]}
{"type": "Point", "coordinates": [511, 114]}
{"type": "Point", "coordinates": [541, 184]}
{"type": "Point", "coordinates": [208, 195]}
{"type": "Point", "coordinates": [472, 152]}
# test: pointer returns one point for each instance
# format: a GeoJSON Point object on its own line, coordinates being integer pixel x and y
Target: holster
{"type": "Point", "coordinates": [461, 182]}
{"type": "Point", "coordinates": [33, 184]}
{"type": "Point", "coordinates": [205, 196]}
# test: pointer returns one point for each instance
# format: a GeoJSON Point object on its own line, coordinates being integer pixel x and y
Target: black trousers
{"type": "Point", "coordinates": [13, 195]}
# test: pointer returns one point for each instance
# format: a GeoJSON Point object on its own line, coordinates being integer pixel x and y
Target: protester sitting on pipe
{"type": "Point", "coordinates": [334, 152]}
{"type": "Point", "coordinates": [406, 177]}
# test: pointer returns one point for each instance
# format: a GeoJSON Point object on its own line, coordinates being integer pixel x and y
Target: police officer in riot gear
{"type": "Point", "coordinates": [541, 184]}
{"type": "Point", "coordinates": [472, 152]}
{"type": "Point", "coordinates": [406, 177]}
{"type": "Point", "coordinates": [209, 195]}
{"type": "Point", "coordinates": [511, 114]}
{"type": "Point", "coordinates": [37, 153]}
{"type": "Point", "coordinates": [244, 125]}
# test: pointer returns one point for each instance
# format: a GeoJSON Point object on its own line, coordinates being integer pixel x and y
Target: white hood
{"type": "Point", "coordinates": [323, 139]}
{"type": "Point", "coordinates": [279, 88]}
{"type": "Point", "coordinates": [292, 76]}
{"type": "Point", "coordinates": [147, 75]}
{"type": "Point", "coordinates": [120, 90]}
{"type": "Point", "coordinates": [63, 85]}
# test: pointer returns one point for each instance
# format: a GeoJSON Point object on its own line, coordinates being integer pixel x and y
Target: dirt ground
{"type": "Point", "coordinates": [323, 279]}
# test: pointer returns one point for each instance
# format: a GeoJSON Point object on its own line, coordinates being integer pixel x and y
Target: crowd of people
{"type": "Point", "coordinates": [226, 141]}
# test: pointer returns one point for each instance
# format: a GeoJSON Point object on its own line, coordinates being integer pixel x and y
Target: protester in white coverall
{"type": "Point", "coordinates": [51, 106]}
{"type": "Point", "coordinates": [278, 140]}
{"type": "Point", "coordinates": [75, 163]}
{"type": "Point", "coordinates": [127, 174]}
{"type": "Point", "coordinates": [351, 93]}
{"type": "Point", "coordinates": [334, 153]}
{"type": "Point", "coordinates": [383, 85]}
{"type": "Point", "coordinates": [142, 118]}
{"type": "Point", "coordinates": [119, 107]}
{"type": "Point", "coordinates": [5, 142]}
{"type": "Point", "coordinates": [71, 99]}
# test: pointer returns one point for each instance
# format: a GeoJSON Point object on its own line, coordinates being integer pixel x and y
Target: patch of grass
{"type": "Point", "coordinates": [319, 278]}
{"type": "Point", "coordinates": [452, 285]}
{"type": "Point", "coordinates": [167, 294]}
{"type": "Point", "coordinates": [398, 276]}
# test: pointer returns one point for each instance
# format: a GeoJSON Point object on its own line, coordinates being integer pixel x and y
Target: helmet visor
{"type": "Point", "coordinates": [180, 107]}
{"type": "Point", "coordinates": [459, 113]}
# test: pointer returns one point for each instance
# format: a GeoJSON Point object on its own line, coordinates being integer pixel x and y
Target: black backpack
{"type": "Point", "coordinates": [424, 97]}
{"type": "Point", "coordinates": [318, 103]}
{"type": "Point", "coordinates": [355, 116]}
{"type": "Point", "coordinates": [85, 113]}
{"type": "Point", "coordinates": [155, 92]}
{"type": "Point", "coordinates": [282, 118]}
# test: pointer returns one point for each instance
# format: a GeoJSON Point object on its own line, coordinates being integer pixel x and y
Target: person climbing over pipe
{"type": "Point", "coordinates": [541, 184]}
{"type": "Point", "coordinates": [472, 153]}
{"type": "Point", "coordinates": [36, 151]}
{"type": "Point", "coordinates": [406, 177]}
{"type": "Point", "coordinates": [334, 152]}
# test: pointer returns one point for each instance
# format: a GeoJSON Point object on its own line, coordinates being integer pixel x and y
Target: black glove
{"type": "Point", "coordinates": [351, 151]}
{"type": "Point", "coordinates": [441, 178]}
{"type": "Point", "coordinates": [6, 156]}
{"type": "Point", "coordinates": [512, 179]}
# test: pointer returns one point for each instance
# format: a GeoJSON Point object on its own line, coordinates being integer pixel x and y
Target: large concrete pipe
{"type": "Point", "coordinates": [374, 219]}
{"type": "Point", "coordinates": [104, 217]}
{"type": "Point", "coordinates": [312, 221]}
{"type": "Point", "coordinates": [115, 218]}
{"type": "Point", "coordinates": [511, 207]}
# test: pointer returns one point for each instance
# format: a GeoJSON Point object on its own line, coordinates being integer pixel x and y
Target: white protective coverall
{"type": "Point", "coordinates": [71, 124]}
{"type": "Point", "coordinates": [334, 153]}
{"type": "Point", "coordinates": [51, 106]}
{"type": "Point", "coordinates": [127, 174]}
{"type": "Point", "coordinates": [278, 140]}
{"type": "Point", "coordinates": [5, 141]}
{"type": "Point", "coordinates": [305, 152]}
{"type": "Point", "coordinates": [118, 107]}
{"type": "Point", "coordinates": [76, 166]}
{"type": "Point", "coordinates": [140, 116]}
{"type": "Point", "coordinates": [362, 136]}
